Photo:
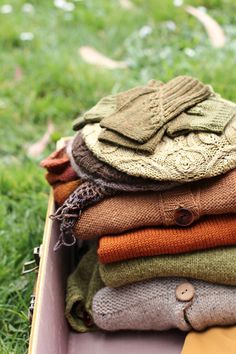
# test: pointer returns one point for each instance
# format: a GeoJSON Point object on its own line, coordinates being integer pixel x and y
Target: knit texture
{"type": "Point", "coordinates": [212, 231]}
{"type": "Point", "coordinates": [88, 167]}
{"type": "Point", "coordinates": [152, 305]}
{"type": "Point", "coordinates": [82, 285]}
{"type": "Point", "coordinates": [56, 162]}
{"type": "Point", "coordinates": [62, 191]}
{"type": "Point", "coordinates": [211, 115]}
{"type": "Point", "coordinates": [58, 167]}
{"type": "Point", "coordinates": [214, 266]}
{"type": "Point", "coordinates": [86, 194]}
{"type": "Point", "coordinates": [129, 211]}
{"type": "Point", "coordinates": [182, 159]}
{"type": "Point", "coordinates": [140, 117]}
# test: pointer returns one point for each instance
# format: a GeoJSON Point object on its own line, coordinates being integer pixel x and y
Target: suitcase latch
{"type": "Point", "coordinates": [33, 265]}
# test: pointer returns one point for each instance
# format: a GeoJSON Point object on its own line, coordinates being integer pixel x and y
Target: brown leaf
{"type": "Point", "coordinates": [18, 74]}
{"type": "Point", "coordinates": [37, 148]}
{"type": "Point", "coordinates": [213, 29]}
{"type": "Point", "coordinates": [92, 56]}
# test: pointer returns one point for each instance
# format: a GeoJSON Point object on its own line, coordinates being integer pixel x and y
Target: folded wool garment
{"type": "Point", "coordinates": [212, 231]}
{"type": "Point", "coordinates": [62, 191]}
{"type": "Point", "coordinates": [211, 115]}
{"type": "Point", "coordinates": [82, 285]}
{"type": "Point", "coordinates": [182, 159]}
{"type": "Point", "coordinates": [88, 167]}
{"type": "Point", "coordinates": [140, 112]}
{"type": "Point", "coordinates": [58, 167]}
{"type": "Point", "coordinates": [162, 304]}
{"type": "Point", "coordinates": [179, 206]}
{"type": "Point", "coordinates": [56, 162]}
{"type": "Point", "coordinates": [214, 266]}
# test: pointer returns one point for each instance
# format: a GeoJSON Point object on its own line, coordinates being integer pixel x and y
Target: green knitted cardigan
{"type": "Point", "coordinates": [215, 265]}
{"type": "Point", "coordinates": [82, 285]}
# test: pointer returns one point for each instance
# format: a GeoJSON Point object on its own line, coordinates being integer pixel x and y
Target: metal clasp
{"type": "Point", "coordinates": [33, 265]}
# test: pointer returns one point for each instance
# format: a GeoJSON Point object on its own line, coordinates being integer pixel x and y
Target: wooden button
{"type": "Point", "coordinates": [185, 292]}
{"type": "Point", "coordinates": [183, 217]}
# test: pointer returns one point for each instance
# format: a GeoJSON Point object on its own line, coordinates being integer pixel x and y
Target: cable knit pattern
{"type": "Point", "coordinates": [152, 305]}
{"type": "Point", "coordinates": [146, 209]}
{"type": "Point", "coordinates": [141, 117]}
{"type": "Point", "coordinates": [210, 115]}
{"type": "Point", "coordinates": [182, 159]}
{"type": "Point", "coordinates": [214, 266]}
{"type": "Point", "coordinates": [212, 231]}
{"type": "Point", "coordinates": [88, 167]}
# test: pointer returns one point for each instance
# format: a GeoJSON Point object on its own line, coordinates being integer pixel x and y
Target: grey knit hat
{"type": "Point", "coordinates": [166, 303]}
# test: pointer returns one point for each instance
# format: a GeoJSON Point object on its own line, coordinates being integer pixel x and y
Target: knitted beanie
{"type": "Point", "coordinates": [88, 167]}
{"type": "Point", "coordinates": [62, 191]}
{"type": "Point", "coordinates": [182, 159]}
{"type": "Point", "coordinates": [182, 205]}
{"type": "Point", "coordinates": [211, 115]}
{"type": "Point", "coordinates": [212, 231]}
{"type": "Point", "coordinates": [214, 266]}
{"type": "Point", "coordinates": [162, 304]}
{"type": "Point", "coordinates": [82, 285]}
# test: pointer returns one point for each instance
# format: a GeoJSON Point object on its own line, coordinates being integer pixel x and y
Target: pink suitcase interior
{"type": "Point", "coordinates": [50, 333]}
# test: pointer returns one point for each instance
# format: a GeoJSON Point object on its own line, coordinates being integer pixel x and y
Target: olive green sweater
{"type": "Point", "coordinates": [215, 265]}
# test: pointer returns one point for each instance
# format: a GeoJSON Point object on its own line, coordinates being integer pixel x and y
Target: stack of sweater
{"type": "Point", "coordinates": [148, 184]}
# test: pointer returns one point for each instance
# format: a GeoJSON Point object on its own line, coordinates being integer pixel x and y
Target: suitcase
{"type": "Point", "coordinates": [50, 333]}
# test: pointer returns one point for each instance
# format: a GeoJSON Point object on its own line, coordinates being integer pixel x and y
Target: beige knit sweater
{"type": "Point", "coordinates": [153, 305]}
{"type": "Point", "coordinates": [182, 159]}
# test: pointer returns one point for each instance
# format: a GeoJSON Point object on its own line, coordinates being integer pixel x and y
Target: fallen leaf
{"type": "Point", "coordinates": [213, 29]}
{"type": "Point", "coordinates": [92, 56]}
{"type": "Point", "coordinates": [37, 148]}
{"type": "Point", "coordinates": [126, 4]}
{"type": "Point", "coordinates": [18, 74]}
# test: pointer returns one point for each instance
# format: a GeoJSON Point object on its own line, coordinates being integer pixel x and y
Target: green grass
{"type": "Point", "coordinates": [57, 85]}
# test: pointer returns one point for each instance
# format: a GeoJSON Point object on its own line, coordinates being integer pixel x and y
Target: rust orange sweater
{"type": "Point", "coordinates": [210, 232]}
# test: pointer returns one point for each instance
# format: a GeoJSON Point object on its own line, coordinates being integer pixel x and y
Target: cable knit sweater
{"type": "Point", "coordinates": [155, 305]}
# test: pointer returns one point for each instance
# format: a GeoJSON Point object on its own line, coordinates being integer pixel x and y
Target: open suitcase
{"type": "Point", "coordinates": [50, 333]}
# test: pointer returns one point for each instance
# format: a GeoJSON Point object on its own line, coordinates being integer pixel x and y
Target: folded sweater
{"type": "Point", "coordinates": [214, 266]}
{"type": "Point", "coordinates": [162, 304]}
{"type": "Point", "coordinates": [211, 232]}
{"type": "Point", "coordinates": [179, 206]}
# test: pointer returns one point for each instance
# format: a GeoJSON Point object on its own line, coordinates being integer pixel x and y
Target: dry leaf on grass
{"type": "Point", "coordinates": [92, 56]}
{"type": "Point", "coordinates": [214, 31]}
{"type": "Point", "coordinates": [37, 148]}
{"type": "Point", "coordinates": [126, 4]}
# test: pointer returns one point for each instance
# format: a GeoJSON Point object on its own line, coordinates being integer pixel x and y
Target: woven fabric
{"type": "Point", "coordinates": [181, 159]}
{"type": "Point", "coordinates": [214, 266]}
{"type": "Point", "coordinates": [211, 232]}
{"type": "Point", "coordinates": [82, 285]}
{"type": "Point", "coordinates": [153, 305]}
{"type": "Point", "coordinates": [129, 211]}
